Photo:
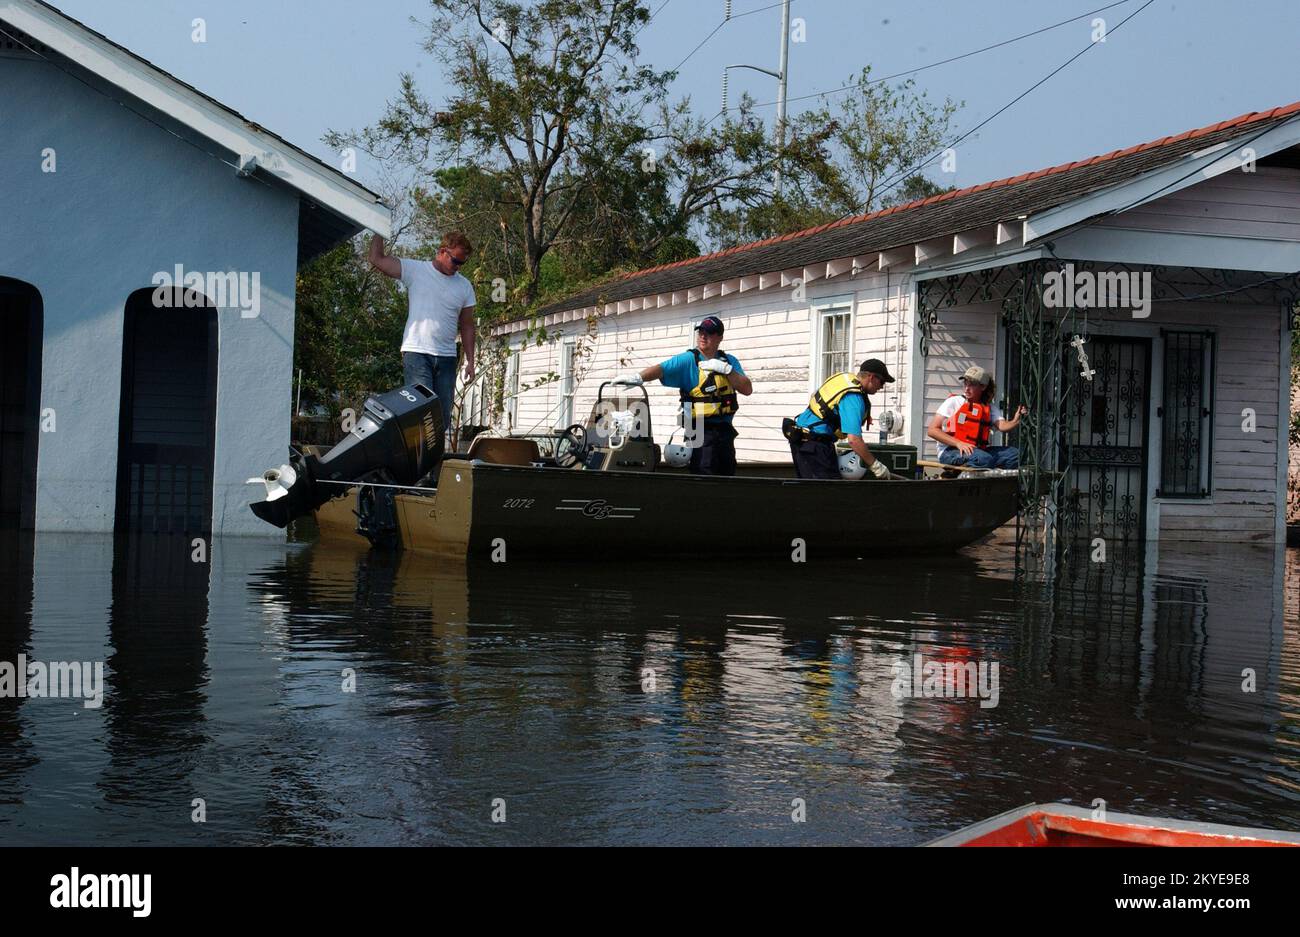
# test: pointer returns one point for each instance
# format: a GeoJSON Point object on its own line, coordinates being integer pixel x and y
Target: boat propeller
{"type": "Point", "coordinates": [277, 481]}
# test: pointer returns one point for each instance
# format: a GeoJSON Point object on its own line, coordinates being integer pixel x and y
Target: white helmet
{"type": "Point", "coordinates": [676, 454]}
{"type": "Point", "coordinates": [851, 466]}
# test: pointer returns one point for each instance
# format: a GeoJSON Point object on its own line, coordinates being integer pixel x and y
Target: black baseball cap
{"type": "Point", "coordinates": [877, 367]}
{"type": "Point", "coordinates": [710, 325]}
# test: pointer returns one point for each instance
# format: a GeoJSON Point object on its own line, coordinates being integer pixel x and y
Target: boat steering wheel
{"type": "Point", "coordinates": [571, 447]}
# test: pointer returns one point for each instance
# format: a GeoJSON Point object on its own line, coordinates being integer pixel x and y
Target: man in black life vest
{"type": "Point", "coordinates": [838, 409]}
{"type": "Point", "coordinates": [708, 380]}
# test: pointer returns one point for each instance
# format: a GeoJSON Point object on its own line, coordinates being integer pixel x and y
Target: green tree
{"type": "Point", "coordinates": [538, 94]}
{"type": "Point", "coordinates": [883, 132]}
{"type": "Point", "coordinates": [546, 127]}
{"type": "Point", "coordinates": [348, 330]}
{"type": "Point", "coordinates": [726, 176]}
{"type": "Point", "coordinates": [845, 161]}
{"type": "Point", "coordinates": [913, 189]}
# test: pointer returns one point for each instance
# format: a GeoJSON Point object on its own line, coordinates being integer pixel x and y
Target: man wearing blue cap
{"type": "Point", "coordinates": [709, 380]}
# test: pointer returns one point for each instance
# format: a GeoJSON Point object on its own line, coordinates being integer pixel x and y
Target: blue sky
{"type": "Point", "coordinates": [302, 68]}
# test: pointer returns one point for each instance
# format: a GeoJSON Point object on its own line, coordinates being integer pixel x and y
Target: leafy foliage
{"type": "Point", "coordinates": [349, 326]}
{"type": "Point", "coordinates": [561, 158]}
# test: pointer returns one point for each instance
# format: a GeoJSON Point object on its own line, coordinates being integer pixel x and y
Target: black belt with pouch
{"type": "Point", "coordinates": [801, 434]}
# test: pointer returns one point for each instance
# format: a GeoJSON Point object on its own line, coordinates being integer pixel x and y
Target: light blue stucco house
{"type": "Point", "coordinates": [149, 244]}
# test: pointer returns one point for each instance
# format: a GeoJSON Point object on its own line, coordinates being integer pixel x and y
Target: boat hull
{"type": "Point", "coordinates": [482, 510]}
{"type": "Point", "coordinates": [1067, 825]}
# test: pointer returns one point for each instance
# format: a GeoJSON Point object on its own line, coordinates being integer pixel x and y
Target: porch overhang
{"type": "Point", "coordinates": [1194, 168]}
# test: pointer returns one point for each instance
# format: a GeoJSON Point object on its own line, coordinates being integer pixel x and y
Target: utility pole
{"type": "Point", "coordinates": [781, 87]}
{"type": "Point", "coordinates": [781, 75]}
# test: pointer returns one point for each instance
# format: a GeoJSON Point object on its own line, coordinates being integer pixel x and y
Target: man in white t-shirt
{"type": "Point", "coordinates": [963, 425]}
{"type": "Point", "coordinates": [441, 304]}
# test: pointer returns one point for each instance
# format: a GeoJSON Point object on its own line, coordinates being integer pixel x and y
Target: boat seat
{"type": "Point", "coordinates": [501, 450]}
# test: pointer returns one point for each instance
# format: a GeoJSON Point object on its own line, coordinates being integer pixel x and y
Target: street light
{"type": "Point", "coordinates": [781, 75]}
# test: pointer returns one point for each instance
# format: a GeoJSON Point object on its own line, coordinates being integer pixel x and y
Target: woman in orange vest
{"type": "Point", "coordinates": [963, 425]}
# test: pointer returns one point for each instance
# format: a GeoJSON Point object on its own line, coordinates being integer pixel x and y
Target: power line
{"type": "Point", "coordinates": [903, 174]}
{"type": "Point", "coordinates": [652, 17]}
{"type": "Point", "coordinates": [955, 58]}
{"type": "Point", "coordinates": [770, 6]}
{"type": "Point", "coordinates": [724, 22]}
{"type": "Point", "coordinates": [700, 46]}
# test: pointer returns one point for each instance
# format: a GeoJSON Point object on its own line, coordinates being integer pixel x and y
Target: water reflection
{"type": "Point", "coordinates": [635, 703]}
{"type": "Point", "coordinates": [156, 671]}
{"type": "Point", "coordinates": [17, 551]}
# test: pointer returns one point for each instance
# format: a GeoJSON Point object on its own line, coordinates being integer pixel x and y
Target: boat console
{"type": "Point", "coordinates": [617, 435]}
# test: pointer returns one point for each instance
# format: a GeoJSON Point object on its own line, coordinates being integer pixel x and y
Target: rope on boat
{"type": "Point", "coordinates": [326, 481]}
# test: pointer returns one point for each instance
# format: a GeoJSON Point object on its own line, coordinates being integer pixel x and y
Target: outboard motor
{"type": "Point", "coordinates": [398, 439]}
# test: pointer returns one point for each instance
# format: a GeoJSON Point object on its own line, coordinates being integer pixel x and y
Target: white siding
{"type": "Point", "coordinates": [1260, 204]}
{"type": "Point", "coordinates": [964, 335]}
{"type": "Point", "coordinates": [778, 341]}
{"type": "Point", "coordinates": [1245, 497]}
{"type": "Point", "coordinates": [772, 335]}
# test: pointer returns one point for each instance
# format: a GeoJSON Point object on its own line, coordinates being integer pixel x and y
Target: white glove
{"type": "Point", "coordinates": [631, 378]}
{"type": "Point", "coordinates": [717, 366]}
{"type": "Point", "coordinates": [877, 468]}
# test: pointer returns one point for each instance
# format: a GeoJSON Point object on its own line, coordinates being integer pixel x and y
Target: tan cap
{"type": "Point", "coordinates": [976, 375]}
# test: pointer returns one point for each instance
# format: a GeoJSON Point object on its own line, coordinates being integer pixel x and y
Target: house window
{"type": "Point", "coordinates": [835, 344]}
{"type": "Point", "coordinates": [1186, 433]}
{"type": "Point", "coordinates": [510, 405]}
{"type": "Point", "coordinates": [568, 351]}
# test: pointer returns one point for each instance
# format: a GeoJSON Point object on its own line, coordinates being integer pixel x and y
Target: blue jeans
{"type": "Point", "coordinates": [1002, 457]}
{"type": "Point", "coordinates": [436, 372]}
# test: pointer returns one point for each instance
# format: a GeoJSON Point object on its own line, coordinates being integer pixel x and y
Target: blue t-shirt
{"type": "Point", "coordinates": [681, 372]}
{"type": "Point", "coordinates": [852, 409]}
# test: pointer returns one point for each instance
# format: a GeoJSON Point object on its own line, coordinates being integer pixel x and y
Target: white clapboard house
{"type": "Point", "coordinates": [1177, 431]}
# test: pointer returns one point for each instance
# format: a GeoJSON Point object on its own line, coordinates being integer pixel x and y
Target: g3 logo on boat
{"type": "Point", "coordinates": [598, 509]}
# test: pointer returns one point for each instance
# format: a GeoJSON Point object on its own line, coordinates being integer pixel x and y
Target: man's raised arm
{"type": "Point", "coordinates": [390, 266]}
{"type": "Point", "coordinates": [467, 340]}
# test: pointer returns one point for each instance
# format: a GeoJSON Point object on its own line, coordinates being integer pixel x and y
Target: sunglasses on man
{"type": "Point", "coordinates": [455, 261]}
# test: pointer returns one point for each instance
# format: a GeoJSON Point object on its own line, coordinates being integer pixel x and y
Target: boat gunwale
{"type": "Point", "coordinates": [1221, 834]}
{"type": "Point", "coordinates": [747, 479]}
{"type": "Point", "coordinates": [479, 465]}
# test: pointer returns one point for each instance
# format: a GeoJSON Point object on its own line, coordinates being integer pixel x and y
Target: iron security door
{"type": "Point", "coordinates": [168, 418]}
{"type": "Point", "coordinates": [1105, 439]}
{"type": "Point", "coordinates": [20, 390]}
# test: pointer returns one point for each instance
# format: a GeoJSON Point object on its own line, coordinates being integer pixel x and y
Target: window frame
{"type": "Point", "coordinates": [510, 406]}
{"type": "Point", "coordinates": [822, 311]}
{"type": "Point", "coordinates": [568, 388]}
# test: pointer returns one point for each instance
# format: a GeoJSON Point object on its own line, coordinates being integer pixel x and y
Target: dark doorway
{"type": "Point", "coordinates": [1104, 441]}
{"type": "Point", "coordinates": [168, 415]}
{"type": "Point", "coordinates": [22, 323]}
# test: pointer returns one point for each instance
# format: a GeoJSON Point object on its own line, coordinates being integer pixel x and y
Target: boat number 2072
{"type": "Point", "coordinates": [519, 502]}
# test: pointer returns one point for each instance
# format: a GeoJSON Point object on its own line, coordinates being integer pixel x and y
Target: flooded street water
{"type": "Point", "coordinates": [632, 703]}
